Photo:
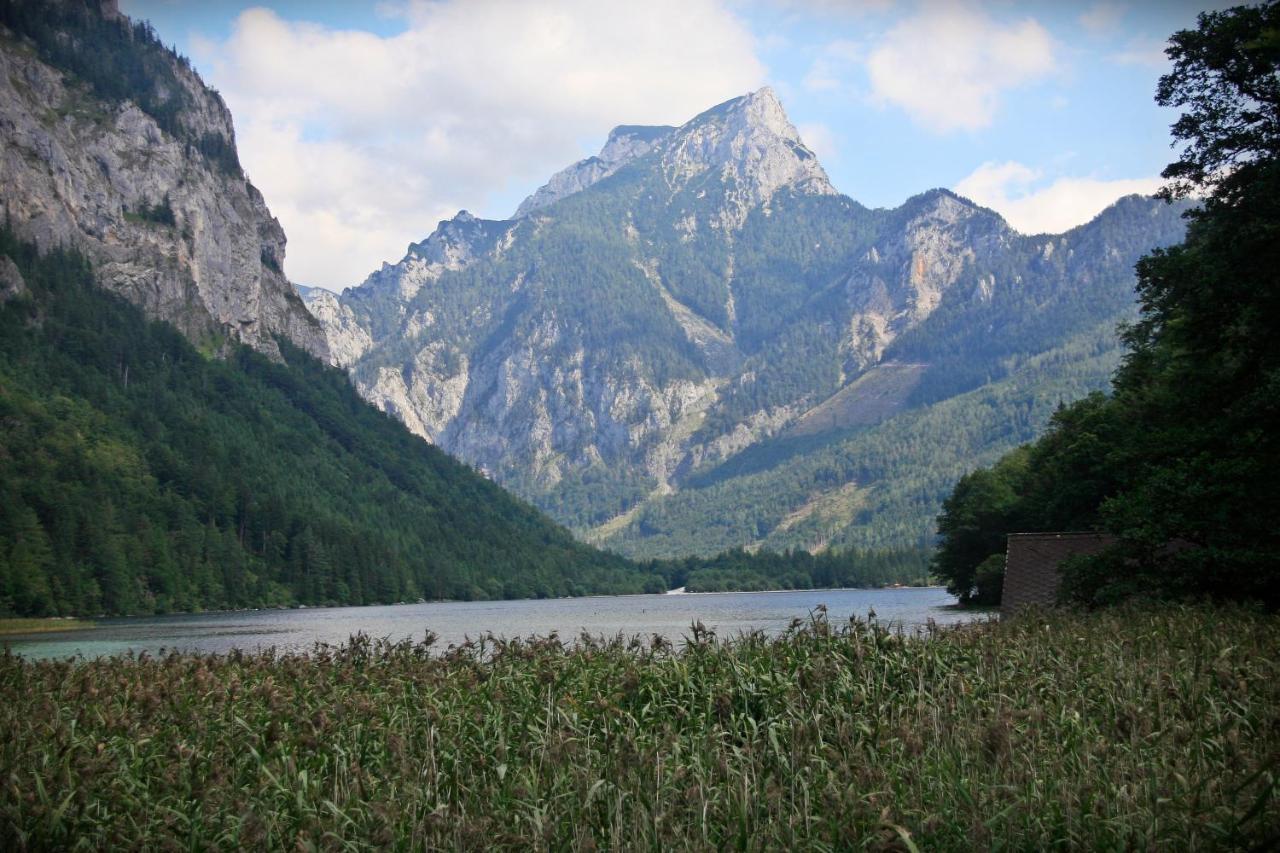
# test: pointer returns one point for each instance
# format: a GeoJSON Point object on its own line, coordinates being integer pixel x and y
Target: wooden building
{"type": "Point", "coordinates": [1031, 574]}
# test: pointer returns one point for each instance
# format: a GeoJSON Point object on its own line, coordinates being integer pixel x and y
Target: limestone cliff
{"type": "Point", "coordinates": [145, 182]}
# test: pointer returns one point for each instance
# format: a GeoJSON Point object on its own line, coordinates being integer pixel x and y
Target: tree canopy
{"type": "Point", "coordinates": [1180, 462]}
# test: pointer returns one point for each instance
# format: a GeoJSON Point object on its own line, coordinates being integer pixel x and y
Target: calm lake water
{"type": "Point", "coordinates": [728, 613]}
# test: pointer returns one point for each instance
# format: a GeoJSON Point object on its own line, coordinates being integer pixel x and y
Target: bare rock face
{"type": "Point", "coordinates": [189, 240]}
{"type": "Point", "coordinates": [904, 277]}
{"type": "Point", "coordinates": [660, 317]}
{"type": "Point", "coordinates": [748, 142]}
{"type": "Point", "coordinates": [345, 337]}
{"type": "Point", "coordinates": [494, 372]}
{"type": "Point", "coordinates": [626, 143]}
{"type": "Point", "coordinates": [752, 145]}
{"type": "Point", "coordinates": [12, 284]}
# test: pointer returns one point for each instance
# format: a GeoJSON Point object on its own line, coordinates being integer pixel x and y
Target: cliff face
{"type": "Point", "coordinates": [164, 212]}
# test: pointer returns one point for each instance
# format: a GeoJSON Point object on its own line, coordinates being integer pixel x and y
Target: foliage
{"type": "Point", "coordinates": [1122, 730]}
{"type": "Point", "coordinates": [119, 60]}
{"type": "Point", "coordinates": [1181, 462]}
{"type": "Point", "coordinates": [739, 569]}
{"type": "Point", "coordinates": [995, 370]}
{"type": "Point", "coordinates": [973, 524]}
{"type": "Point", "coordinates": [1224, 79]}
{"type": "Point", "coordinates": [137, 476]}
{"type": "Point", "coordinates": [872, 488]}
{"type": "Point", "coordinates": [160, 213]}
{"type": "Point", "coordinates": [220, 152]}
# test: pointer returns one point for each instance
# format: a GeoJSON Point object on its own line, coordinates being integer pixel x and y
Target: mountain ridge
{"type": "Point", "coordinates": [634, 330]}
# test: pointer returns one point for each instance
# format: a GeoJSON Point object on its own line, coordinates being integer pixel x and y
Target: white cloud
{"type": "Point", "coordinates": [1148, 52]}
{"type": "Point", "coordinates": [835, 8]}
{"type": "Point", "coordinates": [361, 143]}
{"type": "Point", "coordinates": [948, 65]}
{"type": "Point", "coordinates": [1017, 192]}
{"type": "Point", "coordinates": [828, 72]}
{"type": "Point", "coordinates": [1102, 18]}
{"type": "Point", "coordinates": [821, 140]}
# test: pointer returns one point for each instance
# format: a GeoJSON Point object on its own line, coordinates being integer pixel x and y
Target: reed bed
{"type": "Point", "coordinates": [1148, 729]}
{"type": "Point", "coordinates": [10, 627]}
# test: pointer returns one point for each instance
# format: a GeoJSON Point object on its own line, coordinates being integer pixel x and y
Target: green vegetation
{"type": "Point", "coordinates": [585, 282]}
{"type": "Point", "coordinates": [160, 213]}
{"type": "Point", "coordinates": [119, 61]}
{"type": "Point", "coordinates": [137, 476]}
{"type": "Point", "coordinates": [1180, 461]}
{"type": "Point", "coordinates": [995, 371]}
{"type": "Point", "coordinates": [738, 569]}
{"type": "Point", "coordinates": [905, 467]}
{"type": "Point", "coordinates": [1126, 729]}
{"type": "Point", "coordinates": [41, 626]}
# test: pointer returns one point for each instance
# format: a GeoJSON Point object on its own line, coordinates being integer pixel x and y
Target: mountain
{"type": "Point", "coordinates": [139, 476]}
{"type": "Point", "coordinates": [168, 441]}
{"type": "Point", "coordinates": [692, 342]}
{"type": "Point", "coordinates": [115, 146]}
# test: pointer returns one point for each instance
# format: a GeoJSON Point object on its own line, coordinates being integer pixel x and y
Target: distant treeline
{"type": "Point", "coordinates": [739, 569]}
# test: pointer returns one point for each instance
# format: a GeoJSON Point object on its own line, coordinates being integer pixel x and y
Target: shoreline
{"type": "Point", "coordinates": [23, 625]}
{"type": "Point", "coordinates": [94, 621]}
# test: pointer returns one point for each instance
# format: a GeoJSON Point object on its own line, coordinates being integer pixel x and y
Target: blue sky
{"type": "Point", "coordinates": [364, 124]}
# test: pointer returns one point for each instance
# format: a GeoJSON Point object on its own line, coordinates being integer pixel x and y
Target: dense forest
{"type": "Point", "coordinates": [738, 569]}
{"type": "Point", "coordinates": [868, 487]}
{"type": "Point", "coordinates": [1180, 461]}
{"type": "Point", "coordinates": [138, 476]}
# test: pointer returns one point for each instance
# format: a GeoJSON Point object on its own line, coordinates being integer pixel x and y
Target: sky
{"type": "Point", "coordinates": [365, 124]}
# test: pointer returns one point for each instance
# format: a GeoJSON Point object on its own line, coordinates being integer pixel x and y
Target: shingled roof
{"type": "Point", "coordinates": [1031, 565]}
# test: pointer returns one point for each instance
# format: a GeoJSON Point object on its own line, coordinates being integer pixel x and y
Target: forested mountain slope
{"type": "Point", "coordinates": [137, 475]}
{"type": "Point", "coordinates": [657, 320]}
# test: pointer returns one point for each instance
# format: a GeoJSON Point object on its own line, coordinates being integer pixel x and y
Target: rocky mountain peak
{"type": "Point", "coordinates": [451, 240]}
{"type": "Point", "coordinates": [626, 142]}
{"type": "Point", "coordinates": [759, 109]}
{"type": "Point", "coordinates": [748, 140]}
{"type": "Point", "coordinates": [755, 149]}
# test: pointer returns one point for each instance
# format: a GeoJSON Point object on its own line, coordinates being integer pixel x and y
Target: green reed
{"type": "Point", "coordinates": [1129, 729]}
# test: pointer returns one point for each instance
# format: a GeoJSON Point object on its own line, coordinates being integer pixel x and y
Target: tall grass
{"type": "Point", "coordinates": [1155, 729]}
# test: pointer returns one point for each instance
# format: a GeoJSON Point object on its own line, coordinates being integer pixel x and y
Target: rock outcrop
{"type": "Point", "coordinates": [906, 273]}
{"type": "Point", "coordinates": [166, 215]}
{"type": "Point", "coordinates": [626, 143]}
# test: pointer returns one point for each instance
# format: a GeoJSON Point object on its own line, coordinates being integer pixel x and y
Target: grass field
{"type": "Point", "coordinates": [1146, 729]}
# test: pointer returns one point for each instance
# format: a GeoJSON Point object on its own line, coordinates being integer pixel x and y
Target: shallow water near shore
{"type": "Point", "coordinates": [670, 616]}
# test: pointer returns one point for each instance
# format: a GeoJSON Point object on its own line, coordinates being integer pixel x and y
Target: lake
{"type": "Point", "coordinates": [727, 613]}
